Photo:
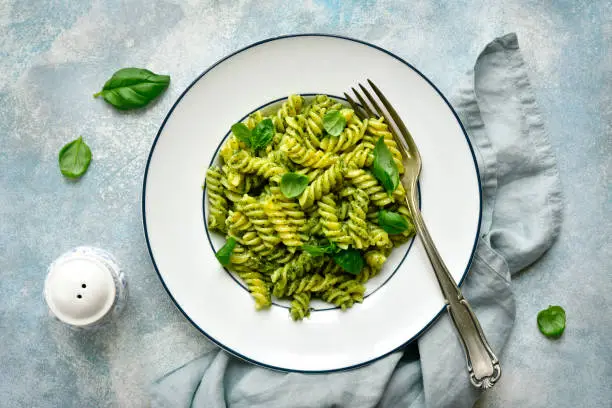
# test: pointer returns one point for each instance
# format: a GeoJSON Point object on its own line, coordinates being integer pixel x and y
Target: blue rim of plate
{"type": "Point", "coordinates": [144, 219]}
{"type": "Point", "coordinates": [236, 279]}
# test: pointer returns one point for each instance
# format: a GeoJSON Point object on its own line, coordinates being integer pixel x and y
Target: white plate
{"type": "Point", "coordinates": [402, 301]}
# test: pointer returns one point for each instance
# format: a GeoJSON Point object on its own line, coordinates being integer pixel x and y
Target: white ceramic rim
{"type": "Point", "coordinates": [283, 359]}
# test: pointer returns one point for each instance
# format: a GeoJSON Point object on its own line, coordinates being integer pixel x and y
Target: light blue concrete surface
{"type": "Point", "coordinates": [55, 54]}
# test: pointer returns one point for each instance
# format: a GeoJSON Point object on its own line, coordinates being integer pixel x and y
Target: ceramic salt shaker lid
{"type": "Point", "coordinates": [85, 288]}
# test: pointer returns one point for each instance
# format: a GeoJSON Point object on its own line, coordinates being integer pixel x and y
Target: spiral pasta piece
{"type": "Point", "coordinates": [294, 214]}
{"type": "Point", "coordinates": [359, 157]}
{"type": "Point", "coordinates": [314, 115]}
{"type": "Point", "coordinates": [323, 184]}
{"type": "Point", "coordinates": [300, 306]}
{"type": "Point", "coordinates": [305, 156]}
{"type": "Point", "coordinates": [366, 274]}
{"type": "Point", "coordinates": [217, 203]}
{"type": "Point", "coordinates": [287, 232]}
{"type": "Point", "coordinates": [375, 259]}
{"type": "Point", "coordinates": [257, 287]}
{"type": "Point", "coordinates": [243, 162]}
{"type": "Point", "coordinates": [232, 196]}
{"type": "Point", "coordinates": [296, 129]}
{"type": "Point", "coordinates": [295, 269]}
{"type": "Point", "coordinates": [354, 289]}
{"type": "Point", "coordinates": [240, 183]}
{"type": "Point", "coordinates": [237, 223]}
{"type": "Point", "coordinates": [253, 209]}
{"type": "Point", "coordinates": [357, 225]}
{"type": "Point", "coordinates": [378, 236]}
{"type": "Point", "coordinates": [352, 134]}
{"type": "Point", "coordinates": [231, 180]}
{"type": "Point", "coordinates": [399, 193]}
{"type": "Point", "coordinates": [368, 183]}
{"type": "Point", "coordinates": [332, 228]}
{"type": "Point", "coordinates": [253, 119]}
{"type": "Point", "coordinates": [242, 258]}
{"type": "Point", "coordinates": [311, 283]}
{"type": "Point", "coordinates": [289, 108]}
{"type": "Point", "coordinates": [338, 297]}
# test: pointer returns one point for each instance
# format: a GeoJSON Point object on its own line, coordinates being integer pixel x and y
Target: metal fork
{"type": "Point", "coordinates": [483, 366]}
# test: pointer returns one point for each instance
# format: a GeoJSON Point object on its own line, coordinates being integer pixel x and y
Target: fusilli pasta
{"type": "Point", "coordinates": [337, 208]}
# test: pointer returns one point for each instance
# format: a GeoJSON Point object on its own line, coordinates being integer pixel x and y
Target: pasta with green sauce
{"type": "Point", "coordinates": [336, 207]}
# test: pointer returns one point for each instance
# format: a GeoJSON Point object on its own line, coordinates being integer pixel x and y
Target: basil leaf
{"type": "Point", "coordinates": [392, 222]}
{"type": "Point", "coordinates": [315, 250]}
{"type": "Point", "coordinates": [131, 88]}
{"type": "Point", "coordinates": [334, 123]}
{"type": "Point", "coordinates": [74, 158]}
{"type": "Point", "coordinates": [224, 254]}
{"type": "Point", "coordinates": [242, 132]}
{"type": "Point", "coordinates": [262, 134]}
{"type": "Point", "coordinates": [350, 260]}
{"type": "Point", "coordinates": [293, 184]}
{"type": "Point", "coordinates": [551, 321]}
{"type": "Point", "coordinates": [384, 168]}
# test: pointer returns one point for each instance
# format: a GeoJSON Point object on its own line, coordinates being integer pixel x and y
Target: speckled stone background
{"type": "Point", "coordinates": [55, 54]}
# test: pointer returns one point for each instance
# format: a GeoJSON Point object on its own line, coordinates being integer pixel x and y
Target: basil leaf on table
{"type": "Point", "coordinates": [334, 122]}
{"type": "Point", "coordinates": [131, 88]}
{"type": "Point", "coordinates": [551, 321]}
{"type": "Point", "coordinates": [224, 254]}
{"type": "Point", "coordinates": [350, 260]}
{"type": "Point", "coordinates": [242, 132]}
{"type": "Point", "coordinates": [392, 222]}
{"type": "Point", "coordinates": [384, 167]}
{"type": "Point", "coordinates": [262, 134]}
{"type": "Point", "coordinates": [74, 158]}
{"type": "Point", "coordinates": [316, 250]}
{"type": "Point", "coordinates": [293, 184]}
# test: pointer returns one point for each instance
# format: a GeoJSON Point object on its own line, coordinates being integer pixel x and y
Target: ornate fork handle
{"type": "Point", "coordinates": [483, 365]}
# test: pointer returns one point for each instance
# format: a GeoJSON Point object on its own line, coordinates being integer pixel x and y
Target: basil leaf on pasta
{"type": "Point", "coordinates": [262, 134]}
{"type": "Point", "coordinates": [293, 184]}
{"type": "Point", "coordinates": [392, 222]}
{"type": "Point", "coordinates": [384, 168]}
{"type": "Point", "coordinates": [224, 254]}
{"type": "Point", "coordinates": [334, 122]}
{"type": "Point", "coordinates": [242, 132]}
{"type": "Point", "coordinates": [350, 260]}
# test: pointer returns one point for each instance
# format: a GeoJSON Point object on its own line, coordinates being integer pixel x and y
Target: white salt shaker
{"type": "Point", "coordinates": [85, 288]}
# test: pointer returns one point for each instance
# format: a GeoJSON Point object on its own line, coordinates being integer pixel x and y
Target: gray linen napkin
{"type": "Point", "coordinates": [521, 218]}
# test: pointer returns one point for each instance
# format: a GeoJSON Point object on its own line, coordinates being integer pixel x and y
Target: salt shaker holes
{"type": "Point", "coordinates": [85, 271]}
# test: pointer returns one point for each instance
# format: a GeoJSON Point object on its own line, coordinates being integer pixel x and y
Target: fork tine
{"type": "Point", "coordinates": [373, 102]}
{"type": "Point", "coordinates": [359, 111]}
{"type": "Point", "coordinates": [396, 118]}
{"type": "Point", "coordinates": [364, 103]}
{"type": "Point", "coordinates": [401, 141]}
